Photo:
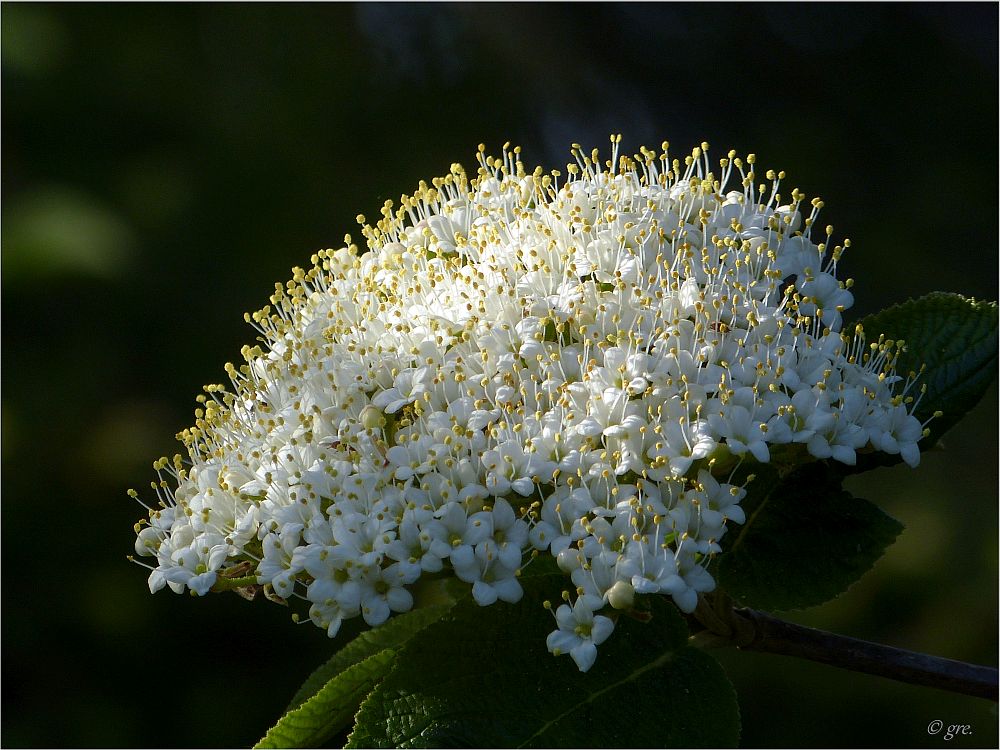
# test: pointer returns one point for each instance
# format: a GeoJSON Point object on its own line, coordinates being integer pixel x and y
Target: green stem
{"type": "Point", "coordinates": [229, 584]}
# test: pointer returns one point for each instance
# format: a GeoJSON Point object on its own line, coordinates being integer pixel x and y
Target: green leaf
{"type": "Point", "coordinates": [328, 699]}
{"type": "Point", "coordinates": [805, 540]}
{"type": "Point", "coordinates": [392, 634]}
{"type": "Point", "coordinates": [955, 339]}
{"type": "Point", "coordinates": [482, 676]}
{"type": "Point", "coordinates": [331, 708]}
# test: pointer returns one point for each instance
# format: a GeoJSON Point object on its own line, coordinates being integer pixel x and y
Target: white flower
{"type": "Point", "coordinates": [839, 441]}
{"type": "Point", "coordinates": [826, 297]}
{"type": "Point", "coordinates": [580, 633]}
{"type": "Point", "coordinates": [407, 387]}
{"type": "Point", "coordinates": [682, 443]}
{"type": "Point", "coordinates": [898, 431]}
{"type": "Point", "coordinates": [509, 536]}
{"type": "Point", "coordinates": [196, 564]}
{"type": "Point", "coordinates": [524, 363]}
{"type": "Point", "coordinates": [490, 578]}
{"type": "Point", "coordinates": [595, 577]}
{"type": "Point", "coordinates": [383, 590]}
{"type": "Point", "coordinates": [421, 545]}
{"type": "Point", "coordinates": [742, 429]}
{"type": "Point", "coordinates": [558, 527]}
{"type": "Point", "coordinates": [650, 571]}
{"type": "Point", "coordinates": [277, 567]}
{"type": "Point", "coordinates": [720, 499]}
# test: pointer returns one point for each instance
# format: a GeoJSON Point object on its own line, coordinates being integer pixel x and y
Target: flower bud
{"type": "Point", "coordinates": [621, 595]}
{"type": "Point", "coordinates": [372, 418]}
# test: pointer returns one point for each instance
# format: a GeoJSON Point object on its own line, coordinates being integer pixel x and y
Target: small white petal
{"type": "Point", "coordinates": [584, 655]}
{"type": "Point", "coordinates": [483, 593]}
{"type": "Point", "coordinates": [603, 626]}
{"type": "Point", "coordinates": [399, 600]}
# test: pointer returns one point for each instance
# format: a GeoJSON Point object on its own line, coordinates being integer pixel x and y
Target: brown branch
{"type": "Point", "coordinates": [751, 630]}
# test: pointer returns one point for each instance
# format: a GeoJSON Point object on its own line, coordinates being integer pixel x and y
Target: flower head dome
{"type": "Point", "coordinates": [525, 363]}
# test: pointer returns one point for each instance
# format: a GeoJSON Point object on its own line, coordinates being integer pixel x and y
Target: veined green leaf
{"type": "Point", "coordinates": [482, 676]}
{"type": "Point", "coordinates": [391, 634]}
{"type": "Point", "coordinates": [331, 709]}
{"type": "Point", "coordinates": [805, 540]}
{"type": "Point", "coordinates": [328, 699]}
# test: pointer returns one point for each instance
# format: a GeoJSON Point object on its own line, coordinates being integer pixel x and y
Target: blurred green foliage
{"type": "Point", "coordinates": [165, 164]}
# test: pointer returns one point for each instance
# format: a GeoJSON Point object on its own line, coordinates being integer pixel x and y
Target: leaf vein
{"type": "Point", "coordinates": [630, 677]}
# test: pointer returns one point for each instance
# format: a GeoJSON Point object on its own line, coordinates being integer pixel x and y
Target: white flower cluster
{"type": "Point", "coordinates": [523, 364]}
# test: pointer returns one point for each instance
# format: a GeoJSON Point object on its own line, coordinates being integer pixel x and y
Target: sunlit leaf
{"type": "Point", "coordinates": [331, 709]}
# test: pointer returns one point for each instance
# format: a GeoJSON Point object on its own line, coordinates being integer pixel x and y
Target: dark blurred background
{"type": "Point", "coordinates": [163, 165]}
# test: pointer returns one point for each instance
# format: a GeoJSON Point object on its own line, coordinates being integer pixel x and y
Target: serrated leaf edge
{"type": "Point", "coordinates": [366, 639]}
{"type": "Point", "coordinates": [358, 672]}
